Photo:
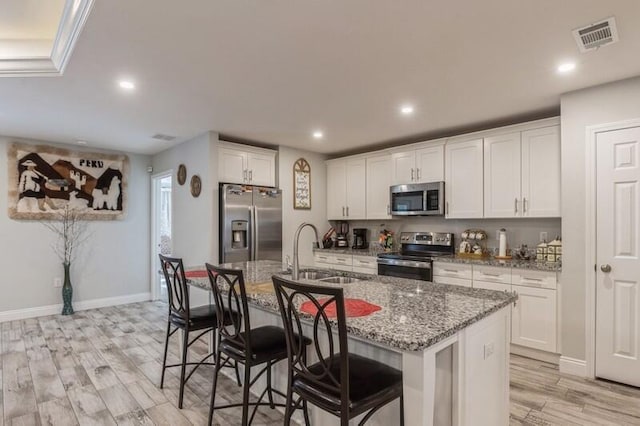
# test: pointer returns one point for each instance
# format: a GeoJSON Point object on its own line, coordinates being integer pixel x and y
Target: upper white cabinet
{"type": "Point", "coordinates": [463, 182]}
{"type": "Point", "coordinates": [336, 189]}
{"type": "Point", "coordinates": [346, 195]}
{"type": "Point", "coordinates": [418, 165]}
{"type": "Point", "coordinates": [246, 164]}
{"type": "Point", "coordinates": [378, 182]}
{"type": "Point", "coordinates": [522, 174]}
{"type": "Point", "coordinates": [502, 176]}
{"type": "Point", "coordinates": [541, 172]}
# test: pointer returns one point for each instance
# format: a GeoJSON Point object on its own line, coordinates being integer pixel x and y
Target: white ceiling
{"type": "Point", "coordinates": [29, 19]}
{"type": "Point", "coordinates": [274, 71]}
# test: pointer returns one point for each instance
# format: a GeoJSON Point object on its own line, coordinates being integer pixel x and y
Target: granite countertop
{"type": "Point", "coordinates": [371, 251]}
{"type": "Point", "coordinates": [414, 316]}
{"type": "Point", "coordinates": [513, 263]}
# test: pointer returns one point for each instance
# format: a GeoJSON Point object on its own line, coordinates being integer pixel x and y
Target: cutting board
{"type": "Point", "coordinates": [260, 288]}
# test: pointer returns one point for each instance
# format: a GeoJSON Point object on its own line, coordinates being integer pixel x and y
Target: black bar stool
{"type": "Point", "coordinates": [346, 385]}
{"type": "Point", "coordinates": [239, 342]}
{"type": "Point", "coordinates": [183, 317]}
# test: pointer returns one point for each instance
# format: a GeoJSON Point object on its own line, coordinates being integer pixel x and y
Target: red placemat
{"type": "Point", "coordinates": [196, 274]}
{"type": "Point", "coordinates": [353, 308]}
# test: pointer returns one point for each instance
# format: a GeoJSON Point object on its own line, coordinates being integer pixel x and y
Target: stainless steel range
{"type": "Point", "coordinates": [415, 258]}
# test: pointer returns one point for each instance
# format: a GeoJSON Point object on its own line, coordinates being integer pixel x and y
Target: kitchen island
{"type": "Point", "coordinates": [450, 342]}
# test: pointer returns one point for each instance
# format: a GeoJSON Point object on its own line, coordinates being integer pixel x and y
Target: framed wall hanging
{"type": "Point", "coordinates": [182, 174]}
{"type": "Point", "coordinates": [43, 180]}
{"type": "Point", "coordinates": [301, 185]}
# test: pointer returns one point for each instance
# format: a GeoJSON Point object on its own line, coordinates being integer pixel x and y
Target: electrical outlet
{"type": "Point", "coordinates": [488, 350]}
{"type": "Point", "coordinates": [543, 236]}
{"type": "Point", "coordinates": [57, 282]}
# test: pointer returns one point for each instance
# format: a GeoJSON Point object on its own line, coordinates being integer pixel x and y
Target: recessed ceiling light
{"type": "Point", "coordinates": [126, 84]}
{"type": "Point", "coordinates": [81, 142]}
{"type": "Point", "coordinates": [318, 134]}
{"type": "Point", "coordinates": [406, 109]}
{"type": "Point", "coordinates": [566, 67]}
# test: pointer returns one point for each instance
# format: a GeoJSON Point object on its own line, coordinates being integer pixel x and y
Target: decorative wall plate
{"type": "Point", "coordinates": [182, 174]}
{"type": "Point", "coordinates": [196, 186]}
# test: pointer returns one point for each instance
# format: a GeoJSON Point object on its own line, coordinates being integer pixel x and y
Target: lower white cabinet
{"type": "Point", "coordinates": [534, 318]}
{"type": "Point", "coordinates": [346, 262]}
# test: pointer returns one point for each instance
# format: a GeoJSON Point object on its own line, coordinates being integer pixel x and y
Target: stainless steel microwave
{"type": "Point", "coordinates": [417, 199]}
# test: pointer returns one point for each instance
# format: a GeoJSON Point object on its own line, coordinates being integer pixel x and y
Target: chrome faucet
{"type": "Point", "coordinates": [296, 263]}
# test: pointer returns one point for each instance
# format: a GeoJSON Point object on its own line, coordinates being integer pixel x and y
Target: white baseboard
{"type": "Point", "coordinates": [573, 366]}
{"type": "Point", "coordinates": [18, 314]}
{"type": "Point", "coordinates": [549, 357]}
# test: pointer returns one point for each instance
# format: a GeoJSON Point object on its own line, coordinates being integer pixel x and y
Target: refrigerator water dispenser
{"type": "Point", "coordinates": [239, 234]}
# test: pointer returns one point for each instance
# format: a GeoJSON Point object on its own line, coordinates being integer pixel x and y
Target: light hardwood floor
{"type": "Point", "coordinates": [103, 366]}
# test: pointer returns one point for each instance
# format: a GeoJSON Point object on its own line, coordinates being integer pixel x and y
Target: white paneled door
{"type": "Point", "coordinates": [618, 263]}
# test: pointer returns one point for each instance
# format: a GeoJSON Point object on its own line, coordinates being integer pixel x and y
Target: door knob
{"type": "Point", "coordinates": [605, 268]}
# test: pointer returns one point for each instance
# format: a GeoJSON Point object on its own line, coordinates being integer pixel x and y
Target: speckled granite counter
{"type": "Point", "coordinates": [414, 316]}
{"type": "Point", "coordinates": [514, 263]}
{"type": "Point", "coordinates": [371, 251]}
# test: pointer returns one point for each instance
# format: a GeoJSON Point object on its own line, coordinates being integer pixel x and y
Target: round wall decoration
{"type": "Point", "coordinates": [196, 186]}
{"type": "Point", "coordinates": [182, 174]}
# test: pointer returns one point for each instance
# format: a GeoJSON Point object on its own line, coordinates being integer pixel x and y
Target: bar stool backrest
{"type": "Point", "coordinates": [177, 290]}
{"type": "Point", "coordinates": [290, 296]}
{"type": "Point", "coordinates": [232, 310]}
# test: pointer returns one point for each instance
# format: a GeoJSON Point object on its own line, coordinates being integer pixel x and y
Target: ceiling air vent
{"type": "Point", "coordinates": [162, 137]}
{"type": "Point", "coordinates": [596, 35]}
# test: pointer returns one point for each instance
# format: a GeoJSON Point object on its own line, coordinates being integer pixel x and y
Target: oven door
{"type": "Point", "coordinates": [405, 269]}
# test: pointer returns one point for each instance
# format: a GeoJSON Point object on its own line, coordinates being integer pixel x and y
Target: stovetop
{"type": "Point", "coordinates": [422, 246]}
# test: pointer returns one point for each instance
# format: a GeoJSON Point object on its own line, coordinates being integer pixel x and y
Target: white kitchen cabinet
{"type": "Point", "coordinates": [522, 174]}
{"type": "Point", "coordinates": [418, 165]}
{"type": "Point", "coordinates": [496, 274]}
{"type": "Point", "coordinates": [336, 189]}
{"type": "Point", "coordinates": [489, 285]}
{"type": "Point", "coordinates": [346, 194]}
{"type": "Point", "coordinates": [452, 281]}
{"type": "Point", "coordinates": [463, 182]}
{"type": "Point", "coordinates": [356, 201]}
{"type": "Point", "coordinates": [502, 196]}
{"type": "Point", "coordinates": [365, 264]}
{"type": "Point", "coordinates": [452, 270]}
{"type": "Point", "coordinates": [244, 164]}
{"type": "Point", "coordinates": [541, 172]}
{"type": "Point", "coordinates": [534, 318]}
{"type": "Point", "coordinates": [378, 181]}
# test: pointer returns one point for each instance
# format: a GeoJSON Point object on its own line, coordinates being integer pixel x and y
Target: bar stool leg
{"type": "Point", "coordinates": [245, 395]}
{"type": "Point", "coordinates": [269, 392]}
{"type": "Point", "coordinates": [214, 385]}
{"type": "Point", "coordinates": [164, 359]}
{"type": "Point", "coordinates": [185, 342]}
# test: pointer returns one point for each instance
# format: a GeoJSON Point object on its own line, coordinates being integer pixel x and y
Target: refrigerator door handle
{"type": "Point", "coordinates": [256, 233]}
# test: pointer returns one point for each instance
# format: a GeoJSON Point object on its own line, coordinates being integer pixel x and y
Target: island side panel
{"type": "Point", "coordinates": [483, 371]}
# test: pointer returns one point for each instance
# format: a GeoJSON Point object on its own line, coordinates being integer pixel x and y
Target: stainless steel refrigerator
{"type": "Point", "coordinates": [250, 223]}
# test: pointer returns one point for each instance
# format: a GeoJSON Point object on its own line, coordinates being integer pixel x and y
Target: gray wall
{"type": "Point", "coordinates": [597, 105]}
{"type": "Point", "coordinates": [292, 218]}
{"type": "Point", "coordinates": [114, 262]}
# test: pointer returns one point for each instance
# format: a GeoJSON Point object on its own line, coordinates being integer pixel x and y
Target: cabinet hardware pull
{"type": "Point", "coordinates": [531, 279]}
{"type": "Point", "coordinates": [490, 275]}
{"type": "Point", "coordinates": [524, 205]}
{"type": "Point", "coordinates": [417, 174]}
{"type": "Point", "coordinates": [250, 175]}
{"type": "Point", "coordinates": [452, 270]}
{"type": "Point", "coordinates": [447, 208]}
{"type": "Point", "coordinates": [412, 174]}
{"type": "Point", "coordinates": [342, 211]}
{"type": "Point", "coordinates": [516, 211]}
{"type": "Point", "coordinates": [244, 175]}
{"type": "Point", "coordinates": [347, 211]}
{"type": "Point", "coordinates": [388, 209]}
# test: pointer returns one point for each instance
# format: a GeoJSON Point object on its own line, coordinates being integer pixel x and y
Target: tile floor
{"type": "Point", "coordinates": [102, 366]}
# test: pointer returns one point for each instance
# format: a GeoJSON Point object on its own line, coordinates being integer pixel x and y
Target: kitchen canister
{"type": "Point", "coordinates": [542, 251]}
{"type": "Point", "coordinates": [554, 250]}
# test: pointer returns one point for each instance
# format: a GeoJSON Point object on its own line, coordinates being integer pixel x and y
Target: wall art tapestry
{"type": "Point", "coordinates": [44, 179]}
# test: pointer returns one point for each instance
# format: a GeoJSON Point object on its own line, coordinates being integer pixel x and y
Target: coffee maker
{"type": "Point", "coordinates": [342, 234]}
{"type": "Point", "coordinates": [360, 238]}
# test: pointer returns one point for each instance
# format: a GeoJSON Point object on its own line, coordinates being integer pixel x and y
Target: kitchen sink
{"type": "Point", "coordinates": [314, 275]}
{"type": "Point", "coordinates": [339, 280]}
